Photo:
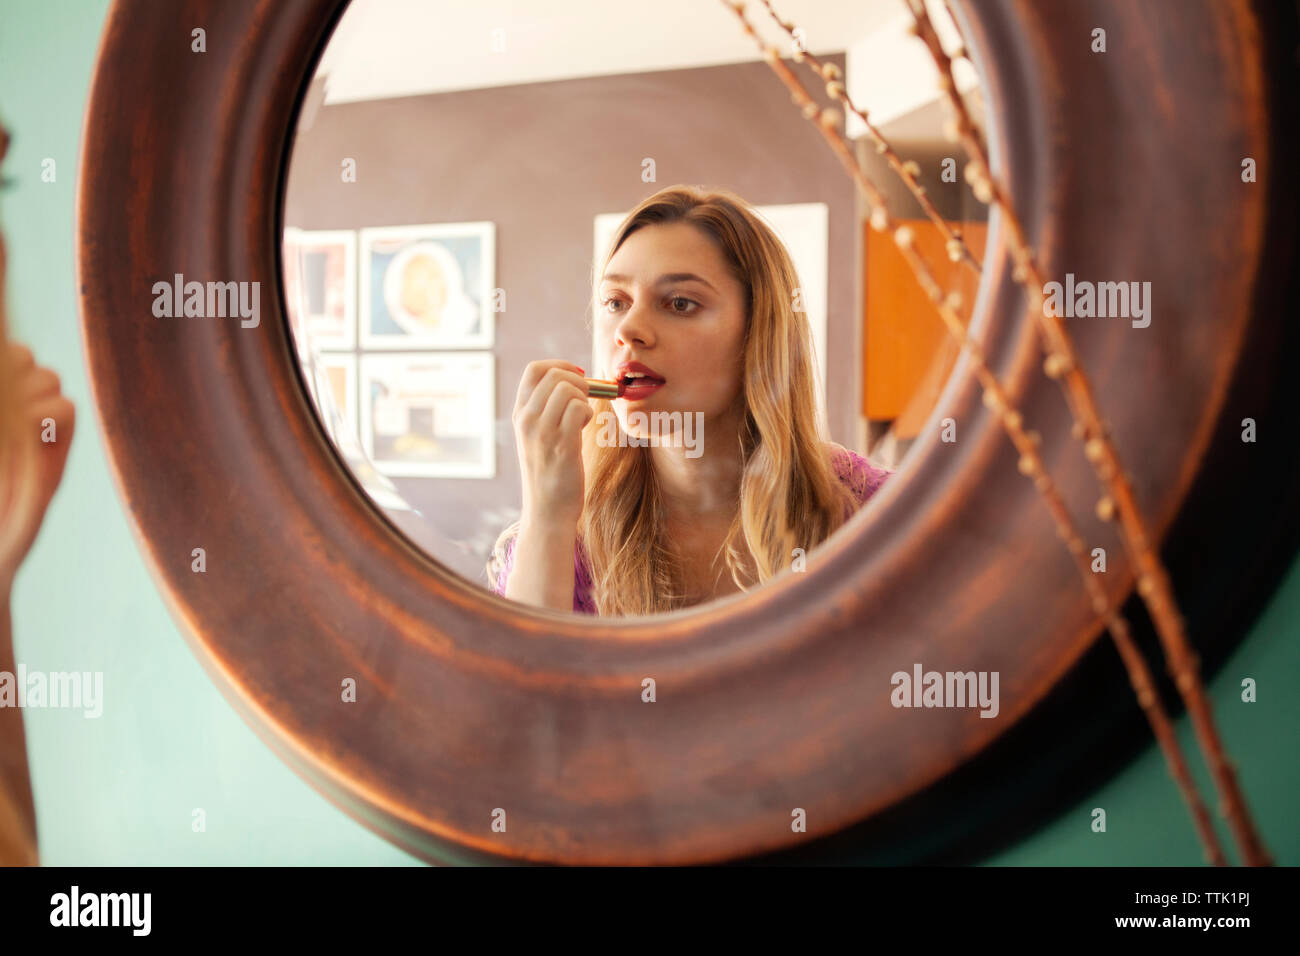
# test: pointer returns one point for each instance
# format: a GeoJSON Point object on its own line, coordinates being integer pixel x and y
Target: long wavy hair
{"type": "Point", "coordinates": [790, 497]}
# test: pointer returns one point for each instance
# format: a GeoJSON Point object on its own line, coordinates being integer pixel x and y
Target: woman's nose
{"type": "Point", "coordinates": [633, 327]}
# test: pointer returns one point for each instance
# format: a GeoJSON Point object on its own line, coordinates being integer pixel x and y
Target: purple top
{"type": "Point", "coordinates": [859, 475]}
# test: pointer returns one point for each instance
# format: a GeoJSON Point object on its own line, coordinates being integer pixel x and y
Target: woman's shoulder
{"type": "Point", "coordinates": [861, 476]}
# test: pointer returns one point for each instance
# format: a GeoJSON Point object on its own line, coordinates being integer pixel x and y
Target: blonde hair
{"type": "Point", "coordinates": [790, 496]}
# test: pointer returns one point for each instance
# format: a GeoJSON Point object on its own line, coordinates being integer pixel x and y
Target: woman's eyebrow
{"type": "Point", "coordinates": [664, 279]}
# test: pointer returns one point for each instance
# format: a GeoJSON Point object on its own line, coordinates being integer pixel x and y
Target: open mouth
{"type": "Point", "coordinates": [639, 385]}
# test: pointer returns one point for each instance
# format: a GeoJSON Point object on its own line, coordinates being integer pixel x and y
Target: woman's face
{"type": "Point", "coordinates": [668, 300]}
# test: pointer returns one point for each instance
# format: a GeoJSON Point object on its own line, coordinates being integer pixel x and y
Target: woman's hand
{"type": "Point", "coordinates": [551, 410]}
{"type": "Point", "coordinates": [36, 392]}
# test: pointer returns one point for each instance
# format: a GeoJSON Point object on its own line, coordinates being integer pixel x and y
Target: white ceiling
{"type": "Point", "coordinates": [389, 48]}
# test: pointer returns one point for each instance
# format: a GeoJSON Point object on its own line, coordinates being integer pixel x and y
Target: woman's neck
{"type": "Point", "coordinates": [705, 486]}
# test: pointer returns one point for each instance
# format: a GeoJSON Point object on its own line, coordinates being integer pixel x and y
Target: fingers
{"type": "Point", "coordinates": [48, 418]}
{"type": "Point", "coordinates": [39, 391]}
{"type": "Point", "coordinates": [575, 418]}
{"type": "Point", "coordinates": [33, 381]}
{"type": "Point", "coordinates": [20, 358]}
{"type": "Point", "coordinates": [52, 456]}
{"type": "Point", "coordinates": [59, 409]}
{"type": "Point", "coordinates": [534, 372]}
{"type": "Point", "coordinates": [536, 403]}
{"type": "Point", "coordinates": [38, 383]}
{"type": "Point", "coordinates": [562, 397]}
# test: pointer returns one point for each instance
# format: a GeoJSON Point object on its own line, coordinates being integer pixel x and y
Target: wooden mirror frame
{"type": "Point", "coordinates": [468, 702]}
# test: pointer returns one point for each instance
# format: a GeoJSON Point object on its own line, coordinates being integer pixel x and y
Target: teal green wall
{"type": "Point", "coordinates": [121, 789]}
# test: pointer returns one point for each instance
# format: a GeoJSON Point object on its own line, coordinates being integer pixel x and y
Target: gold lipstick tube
{"type": "Point", "coordinates": [599, 388]}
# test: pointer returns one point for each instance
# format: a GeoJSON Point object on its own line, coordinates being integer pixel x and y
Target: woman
{"type": "Point", "coordinates": [30, 470]}
{"type": "Point", "coordinates": [699, 301]}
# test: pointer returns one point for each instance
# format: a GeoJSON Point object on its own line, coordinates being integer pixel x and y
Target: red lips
{"type": "Point", "coordinates": [625, 367]}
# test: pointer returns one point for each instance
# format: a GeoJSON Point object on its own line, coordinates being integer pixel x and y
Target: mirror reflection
{"type": "Point", "coordinates": [592, 312]}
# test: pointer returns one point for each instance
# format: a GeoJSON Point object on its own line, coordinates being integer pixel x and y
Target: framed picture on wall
{"type": "Point", "coordinates": [320, 269]}
{"type": "Point", "coordinates": [293, 297]}
{"type": "Point", "coordinates": [430, 414]}
{"type": "Point", "coordinates": [428, 287]}
{"type": "Point", "coordinates": [804, 229]}
{"type": "Point", "coordinates": [337, 372]}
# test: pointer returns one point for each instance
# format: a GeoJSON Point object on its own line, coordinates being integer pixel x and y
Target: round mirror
{"type": "Point", "coordinates": [488, 211]}
{"type": "Point", "coordinates": [429, 710]}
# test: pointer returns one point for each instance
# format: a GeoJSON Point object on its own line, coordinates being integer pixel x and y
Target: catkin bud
{"type": "Point", "coordinates": [1055, 365]}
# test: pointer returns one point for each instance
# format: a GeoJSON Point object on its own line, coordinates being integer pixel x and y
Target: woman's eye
{"type": "Point", "coordinates": [673, 301]}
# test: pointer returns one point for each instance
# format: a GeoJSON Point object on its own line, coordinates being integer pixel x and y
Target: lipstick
{"type": "Point", "coordinates": [599, 388]}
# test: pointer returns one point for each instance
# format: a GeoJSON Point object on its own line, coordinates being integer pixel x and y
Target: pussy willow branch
{"type": "Point", "coordinates": [1032, 466]}
{"type": "Point", "coordinates": [1031, 463]}
{"type": "Point", "coordinates": [954, 244]}
{"type": "Point", "coordinates": [1153, 583]}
